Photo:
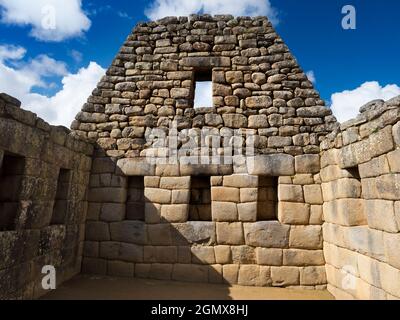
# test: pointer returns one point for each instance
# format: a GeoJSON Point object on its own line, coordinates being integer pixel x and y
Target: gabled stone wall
{"type": "Point", "coordinates": [257, 147]}
{"type": "Point", "coordinates": [42, 216]}
{"type": "Point", "coordinates": [360, 182]}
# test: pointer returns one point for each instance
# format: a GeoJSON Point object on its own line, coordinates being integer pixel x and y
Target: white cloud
{"type": "Point", "coordinates": [203, 95]}
{"type": "Point", "coordinates": [346, 104]}
{"type": "Point", "coordinates": [311, 76]}
{"type": "Point", "coordinates": [19, 77]}
{"type": "Point", "coordinates": [163, 8]}
{"type": "Point", "coordinates": [9, 52]}
{"type": "Point", "coordinates": [50, 20]}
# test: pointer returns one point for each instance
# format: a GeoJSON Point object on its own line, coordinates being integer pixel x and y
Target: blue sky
{"type": "Point", "coordinates": [364, 61]}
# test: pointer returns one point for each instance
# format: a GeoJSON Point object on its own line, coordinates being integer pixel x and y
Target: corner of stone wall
{"type": "Point", "coordinates": [38, 226]}
{"type": "Point", "coordinates": [360, 173]}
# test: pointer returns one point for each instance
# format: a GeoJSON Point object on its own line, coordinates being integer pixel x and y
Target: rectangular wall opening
{"type": "Point", "coordinates": [60, 209]}
{"type": "Point", "coordinates": [267, 205]}
{"type": "Point", "coordinates": [11, 175]}
{"type": "Point", "coordinates": [203, 93]}
{"type": "Point", "coordinates": [200, 198]}
{"type": "Point", "coordinates": [135, 201]}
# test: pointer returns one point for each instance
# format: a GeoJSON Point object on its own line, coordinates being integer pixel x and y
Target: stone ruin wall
{"type": "Point", "coordinates": [360, 173]}
{"type": "Point", "coordinates": [259, 219]}
{"type": "Point", "coordinates": [295, 202]}
{"type": "Point", "coordinates": [44, 174]}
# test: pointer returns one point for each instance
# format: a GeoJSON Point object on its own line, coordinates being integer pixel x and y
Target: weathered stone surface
{"type": "Point", "coordinates": [175, 212]}
{"type": "Point", "coordinates": [230, 233]}
{"type": "Point", "coordinates": [129, 231]}
{"type": "Point", "coordinates": [268, 234]}
{"type": "Point", "coordinates": [285, 276]}
{"type": "Point", "coordinates": [224, 211]}
{"type": "Point", "coordinates": [290, 193]}
{"type": "Point", "coordinates": [293, 213]}
{"type": "Point", "coordinates": [273, 165]}
{"type": "Point", "coordinates": [269, 257]}
{"type": "Point", "coordinates": [225, 194]}
{"type": "Point", "coordinates": [194, 232]}
{"type": "Point", "coordinates": [247, 211]}
{"type": "Point", "coordinates": [306, 237]}
{"type": "Point", "coordinates": [136, 167]}
{"type": "Point", "coordinates": [313, 194]}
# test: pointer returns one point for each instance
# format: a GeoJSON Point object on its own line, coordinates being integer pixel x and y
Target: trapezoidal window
{"type": "Point", "coordinates": [135, 201]}
{"type": "Point", "coordinates": [203, 93]}
{"type": "Point", "coordinates": [200, 198]}
{"type": "Point", "coordinates": [60, 210]}
{"type": "Point", "coordinates": [11, 175]}
{"type": "Point", "coordinates": [267, 204]}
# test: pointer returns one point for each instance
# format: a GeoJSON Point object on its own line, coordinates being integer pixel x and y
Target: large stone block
{"type": "Point", "coordinates": [152, 213]}
{"type": "Point", "coordinates": [394, 160]}
{"type": "Point", "coordinates": [293, 213]}
{"type": "Point", "coordinates": [206, 62]}
{"type": "Point", "coordinates": [380, 215]}
{"type": "Point", "coordinates": [308, 163]}
{"type": "Point", "coordinates": [385, 187]}
{"type": "Point", "coordinates": [342, 188]}
{"type": "Point", "coordinates": [154, 195]}
{"type": "Point", "coordinates": [223, 254]}
{"type": "Point", "coordinates": [243, 255]}
{"type": "Point", "coordinates": [174, 183]}
{"type": "Point", "coordinates": [251, 275]}
{"type": "Point", "coordinates": [285, 276]}
{"type": "Point", "coordinates": [247, 211]}
{"type": "Point", "coordinates": [203, 255]}
{"type": "Point", "coordinates": [230, 233]}
{"type": "Point", "coordinates": [97, 231]}
{"type": "Point", "coordinates": [224, 211]}
{"type": "Point", "coordinates": [392, 246]}
{"type": "Point", "coordinates": [136, 167]}
{"type": "Point", "coordinates": [225, 194]}
{"type": "Point", "coordinates": [313, 194]}
{"type": "Point", "coordinates": [272, 165]}
{"type": "Point", "coordinates": [306, 237]}
{"type": "Point", "coordinates": [230, 273]}
{"type": "Point", "coordinates": [298, 257]}
{"type": "Point", "coordinates": [268, 234]}
{"type": "Point", "coordinates": [312, 276]}
{"type": "Point", "coordinates": [346, 212]}
{"type": "Point", "coordinates": [269, 257]}
{"type": "Point", "coordinates": [94, 266]}
{"type": "Point", "coordinates": [241, 181]}
{"type": "Point", "coordinates": [159, 234]}
{"type": "Point", "coordinates": [248, 195]}
{"type": "Point", "coordinates": [175, 212]}
{"type": "Point", "coordinates": [235, 121]}
{"type": "Point", "coordinates": [160, 254]}
{"type": "Point", "coordinates": [111, 212]}
{"type": "Point", "coordinates": [194, 232]}
{"type": "Point", "coordinates": [290, 193]}
{"type": "Point", "coordinates": [375, 167]}
{"type": "Point", "coordinates": [180, 196]}
{"type": "Point", "coordinates": [129, 231]}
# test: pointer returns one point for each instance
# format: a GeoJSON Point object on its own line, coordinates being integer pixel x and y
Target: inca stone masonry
{"type": "Point", "coordinates": [262, 188]}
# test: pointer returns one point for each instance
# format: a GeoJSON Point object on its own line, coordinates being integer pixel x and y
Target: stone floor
{"type": "Point", "coordinates": [107, 288]}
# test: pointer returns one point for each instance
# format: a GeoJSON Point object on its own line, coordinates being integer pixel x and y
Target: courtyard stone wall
{"type": "Point", "coordinates": [360, 175]}
{"type": "Point", "coordinates": [44, 174]}
{"type": "Point", "coordinates": [222, 193]}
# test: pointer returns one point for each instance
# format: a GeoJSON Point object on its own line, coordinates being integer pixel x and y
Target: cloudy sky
{"type": "Point", "coordinates": [53, 52]}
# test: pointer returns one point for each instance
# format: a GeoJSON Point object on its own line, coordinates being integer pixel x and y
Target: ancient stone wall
{"type": "Point", "coordinates": [229, 193]}
{"type": "Point", "coordinates": [361, 191]}
{"type": "Point", "coordinates": [44, 174]}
